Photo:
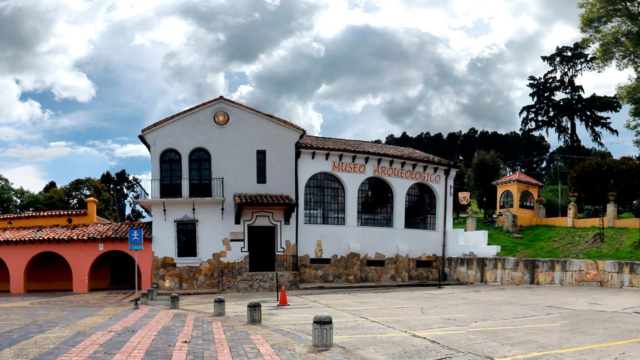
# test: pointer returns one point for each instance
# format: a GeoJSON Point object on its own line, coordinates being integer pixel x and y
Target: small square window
{"type": "Point", "coordinates": [424, 264]}
{"type": "Point", "coordinates": [376, 263]}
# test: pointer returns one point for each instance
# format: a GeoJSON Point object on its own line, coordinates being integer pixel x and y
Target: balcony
{"type": "Point", "coordinates": [156, 189]}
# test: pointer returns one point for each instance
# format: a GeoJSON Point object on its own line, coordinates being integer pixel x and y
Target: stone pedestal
{"type": "Point", "coordinates": [541, 212]}
{"type": "Point", "coordinates": [174, 301]}
{"type": "Point", "coordinates": [612, 214]}
{"type": "Point", "coordinates": [471, 223]}
{"type": "Point", "coordinates": [507, 221]}
{"type": "Point", "coordinates": [218, 306]}
{"type": "Point", "coordinates": [572, 213]}
{"type": "Point", "coordinates": [154, 287]}
{"type": "Point", "coordinates": [144, 298]}
{"type": "Point", "coordinates": [322, 331]}
{"type": "Point", "coordinates": [254, 312]}
{"type": "Point", "coordinates": [150, 292]}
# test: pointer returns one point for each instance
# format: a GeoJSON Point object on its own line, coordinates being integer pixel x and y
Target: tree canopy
{"type": "Point", "coordinates": [612, 28]}
{"type": "Point", "coordinates": [558, 101]}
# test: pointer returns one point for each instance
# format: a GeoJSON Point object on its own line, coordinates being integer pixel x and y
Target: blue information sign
{"type": "Point", "coordinates": [135, 247]}
{"type": "Point", "coordinates": [135, 236]}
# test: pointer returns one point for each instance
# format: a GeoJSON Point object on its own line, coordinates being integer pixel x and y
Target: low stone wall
{"type": "Point", "coordinates": [566, 272]}
{"type": "Point", "coordinates": [262, 282]}
{"type": "Point", "coordinates": [353, 269]}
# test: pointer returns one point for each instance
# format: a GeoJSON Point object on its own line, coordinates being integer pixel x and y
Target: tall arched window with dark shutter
{"type": "Point", "coordinates": [324, 200]}
{"type": "Point", "coordinates": [506, 200]}
{"type": "Point", "coordinates": [199, 174]}
{"type": "Point", "coordinates": [420, 208]}
{"type": "Point", "coordinates": [170, 174]}
{"type": "Point", "coordinates": [375, 203]}
{"type": "Point", "coordinates": [527, 201]}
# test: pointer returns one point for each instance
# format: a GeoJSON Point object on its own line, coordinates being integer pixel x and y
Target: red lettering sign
{"type": "Point", "coordinates": [406, 174]}
{"type": "Point", "coordinates": [338, 166]}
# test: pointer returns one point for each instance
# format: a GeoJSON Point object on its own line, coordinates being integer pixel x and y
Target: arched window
{"type": "Point", "coordinates": [199, 173]}
{"type": "Point", "coordinates": [526, 200]}
{"type": "Point", "coordinates": [506, 200]}
{"type": "Point", "coordinates": [420, 208]}
{"type": "Point", "coordinates": [170, 174]}
{"type": "Point", "coordinates": [375, 203]}
{"type": "Point", "coordinates": [324, 200]}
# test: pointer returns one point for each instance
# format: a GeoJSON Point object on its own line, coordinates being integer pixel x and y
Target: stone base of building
{"type": "Point", "coordinates": [566, 272]}
{"type": "Point", "coordinates": [354, 268]}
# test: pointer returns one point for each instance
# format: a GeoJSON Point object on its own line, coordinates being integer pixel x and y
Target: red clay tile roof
{"type": "Point", "coordinates": [221, 98]}
{"type": "Point", "coordinates": [36, 214]}
{"type": "Point", "coordinates": [519, 177]}
{"type": "Point", "coordinates": [263, 199]}
{"type": "Point", "coordinates": [367, 147]}
{"type": "Point", "coordinates": [95, 231]}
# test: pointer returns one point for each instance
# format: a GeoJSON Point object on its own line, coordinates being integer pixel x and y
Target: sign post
{"type": "Point", "coordinates": [135, 243]}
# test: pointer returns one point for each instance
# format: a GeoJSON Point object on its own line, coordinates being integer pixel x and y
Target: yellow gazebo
{"type": "Point", "coordinates": [518, 193]}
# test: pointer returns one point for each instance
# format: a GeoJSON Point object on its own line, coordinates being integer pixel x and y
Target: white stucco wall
{"type": "Point", "coordinates": [340, 239]}
{"type": "Point", "coordinates": [233, 156]}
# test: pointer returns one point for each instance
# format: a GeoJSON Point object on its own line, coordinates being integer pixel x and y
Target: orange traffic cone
{"type": "Point", "coordinates": [283, 297]}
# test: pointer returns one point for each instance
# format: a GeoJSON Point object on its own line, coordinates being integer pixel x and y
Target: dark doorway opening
{"type": "Point", "coordinates": [262, 248]}
{"type": "Point", "coordinates": [113, 270]}
{"type": "Point", "coordinates": [48, 271]}
{"type": "Point", "coordinates": [4, 277]}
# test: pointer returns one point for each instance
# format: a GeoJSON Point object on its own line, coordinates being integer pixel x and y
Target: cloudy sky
{"type": "Point", "coordinates": [79, 79]}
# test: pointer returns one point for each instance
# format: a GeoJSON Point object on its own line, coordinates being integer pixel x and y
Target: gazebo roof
{"type": "Point", "coordinates": [518, 177]}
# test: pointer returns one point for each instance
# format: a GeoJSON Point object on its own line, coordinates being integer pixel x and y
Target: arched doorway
{"type": "Point", "coordinates": [48, 271]}
{"type": "Point", "coordinates": [113, 270]}
{"type": "Point", "coordinates": [4, 277]}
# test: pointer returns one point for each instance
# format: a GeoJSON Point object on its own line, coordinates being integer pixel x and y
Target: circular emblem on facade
{"type": "Point", "coordinates": [221, 118]}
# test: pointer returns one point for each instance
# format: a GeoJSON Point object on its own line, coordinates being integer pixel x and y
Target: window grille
{"type": "Point", "coordinates": [261, 166]}
{"type": "Point", "coordinates": [506, 200]}
{"type": "Point", "coordinates": [200, 173]}
{"type": "Point", "coordinates": [527, 201]}
{"type": "Point", "coordinates": [170, 174]}
{"type": "Point", "coordinates": [324, 200]}
{"type": "Point", "coordinates": [420, 208]}
{"type": "Point", "coordinates": [375, 203]}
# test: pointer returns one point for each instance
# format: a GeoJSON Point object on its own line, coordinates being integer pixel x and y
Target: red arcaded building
{"type": "Point", "coordinates": [71, 250]}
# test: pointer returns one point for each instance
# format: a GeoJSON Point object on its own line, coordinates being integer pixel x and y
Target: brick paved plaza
{"type": "Point", "coordinates": [457, 322]}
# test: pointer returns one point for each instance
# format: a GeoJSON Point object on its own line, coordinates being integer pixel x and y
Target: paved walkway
{"type": "Point", "coordinates": [94, 326]}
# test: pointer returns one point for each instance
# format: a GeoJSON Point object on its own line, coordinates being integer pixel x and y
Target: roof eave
{"type": "Point", "coordinates": [450, 165]}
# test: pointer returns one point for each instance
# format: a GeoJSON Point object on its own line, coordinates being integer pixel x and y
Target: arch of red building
{"type": "Point", "coordinates": [79, 255]}
{"type": "Point", "coordinates": [113, 270]}
{"type": "Point", "coordinates": [48, 271]}
{"type": "Point", "coordinates": [4, 277]}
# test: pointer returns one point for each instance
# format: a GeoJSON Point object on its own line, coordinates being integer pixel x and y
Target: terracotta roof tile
{"type": "Point", "coordinates": [221, 98]}
{"type": "Point", "coordinates": [97, 231]}
{"type": "Point", "coordinates": [519, 177]}
{"type": "Point", "coordinates": [263, 199]}
{"type": "Point", "coordinates": [367, 147]}
{"type": "Point", "coordinates": [36, 214]}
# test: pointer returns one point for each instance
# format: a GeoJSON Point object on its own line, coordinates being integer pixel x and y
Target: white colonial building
{"type": "Point", "coordinates": [231, 184]}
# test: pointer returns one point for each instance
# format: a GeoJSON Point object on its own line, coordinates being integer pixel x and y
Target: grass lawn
{"type": "Point", "coordinates": [562, 242]}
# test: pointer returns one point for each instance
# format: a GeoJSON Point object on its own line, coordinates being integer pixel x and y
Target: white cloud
{"type": "Point", "coordinates": [27, 176]}
{"type": "Point", "coordinates": [37, 153]}
{"type": "Point", "coordinates": [122, 151]}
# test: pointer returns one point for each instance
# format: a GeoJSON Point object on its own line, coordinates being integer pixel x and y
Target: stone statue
{"type": "Point", "coordinates": [319, 249]}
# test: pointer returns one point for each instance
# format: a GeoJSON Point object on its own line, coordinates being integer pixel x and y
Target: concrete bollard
{"type": "Point", "coordinates": [218, 306]}
{"type": "Point", "coordinates": [144, 298]}
{"type": "Point", "coordinates": [155, 291]}
{"type": "Point", "coordinates": [150, 292]}
{"type": "Point", "coordinates": [174, 301]}
{"type": "Point", "coordinates": [322, 331]}
{"type": "Point", "coordinates": [254, 312]}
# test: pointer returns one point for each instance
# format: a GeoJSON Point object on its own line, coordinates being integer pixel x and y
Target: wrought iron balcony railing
{"type": "Point", "coordinates": [180, 188]}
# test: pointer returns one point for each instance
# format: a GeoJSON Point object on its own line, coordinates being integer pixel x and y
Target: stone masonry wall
{"type": "Point", "coordinates": [566, 272]}
{"type": "Point", "coordinates": [353, 269]}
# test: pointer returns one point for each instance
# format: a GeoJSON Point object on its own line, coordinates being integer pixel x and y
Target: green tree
{"type": "Point", "coordinates": [485, 169]}
{"type": "Point", "coordinates": [559, 104]}
{"type": "Point", "coordinates": [594, 178]}
{"type": "Point", "coordinates": [122, 188]}
{"type": "Point", "coordinates": [7, 200]}
{"type": "Point", "coordinates": [612, 28]}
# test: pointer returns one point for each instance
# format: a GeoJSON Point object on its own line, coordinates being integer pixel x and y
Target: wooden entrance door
{"type": "Point", "coordinates": [262, 248]}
